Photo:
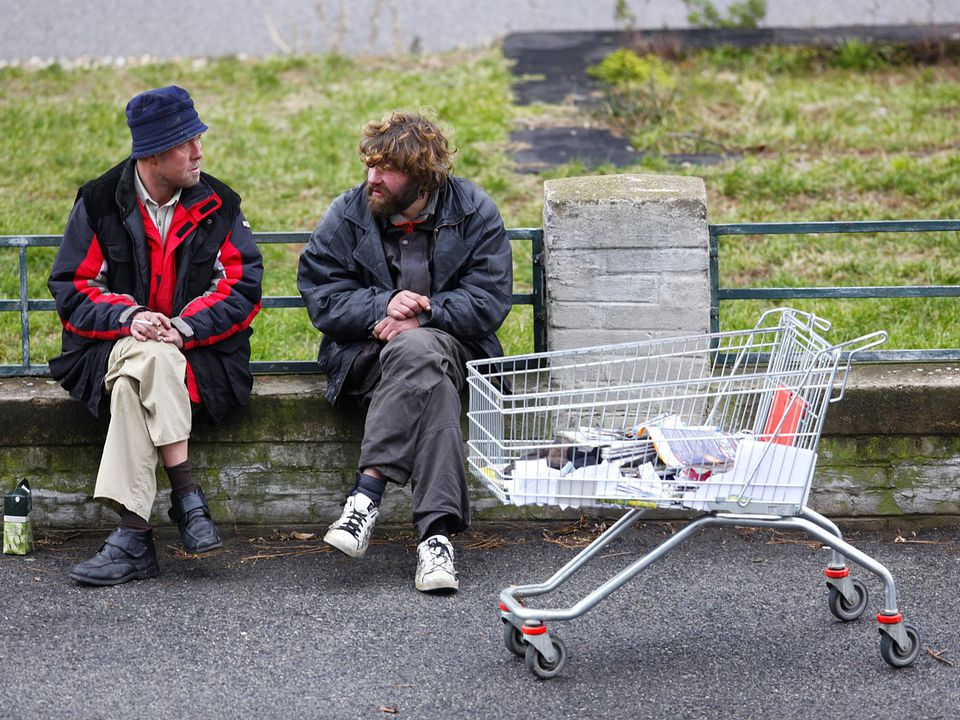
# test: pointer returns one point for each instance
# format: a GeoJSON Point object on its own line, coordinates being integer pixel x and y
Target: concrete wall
{"type": "Point", "coordinates": [890, 453]}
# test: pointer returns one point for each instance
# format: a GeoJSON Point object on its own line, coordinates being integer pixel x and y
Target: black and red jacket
{"type": "Point", "coordinates": [111, 264]}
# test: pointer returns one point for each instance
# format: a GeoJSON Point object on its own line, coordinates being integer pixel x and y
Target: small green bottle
{"type": "Point", "coordinates": [17, 531]}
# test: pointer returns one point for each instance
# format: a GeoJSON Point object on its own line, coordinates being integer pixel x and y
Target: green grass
{"type": "Point", "coordinates": [816, 141]}
{"type": "Point", "coordinates": [283, 133]}
{"type": "Point", "coordinates": [861, 137]}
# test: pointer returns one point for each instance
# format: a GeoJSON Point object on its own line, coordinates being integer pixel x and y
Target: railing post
{"type": "Point", "coordinates": [626, 258]}
{"type": "Point", "coordinates": [539, 311]}
{"type": "Point", "coordinates": [24, 309]}
{"type": "Point", "coordinates": [714, 281]}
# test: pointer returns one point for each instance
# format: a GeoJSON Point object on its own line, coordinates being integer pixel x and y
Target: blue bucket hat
{"type": "Point", "coordinates": [161, 119]}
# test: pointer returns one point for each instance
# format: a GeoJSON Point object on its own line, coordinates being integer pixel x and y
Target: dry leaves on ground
{"type": "Point", "coordinates": [576, 535]}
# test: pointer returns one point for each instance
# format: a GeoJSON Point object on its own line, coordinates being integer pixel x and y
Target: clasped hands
{"type": "Point", "coordinates": [402, 311]}
{"type": "Point", "coordinates": [149, 325]}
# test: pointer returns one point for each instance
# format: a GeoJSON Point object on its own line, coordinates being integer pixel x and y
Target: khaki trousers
{"type": "Point", "coordinates": [149, 408]}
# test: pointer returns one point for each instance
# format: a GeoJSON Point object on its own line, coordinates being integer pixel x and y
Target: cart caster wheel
{"type": "Point", "coordinates": [540, 667]}
{"type": "Point", "coordinates": [513, 640]}
{"type": "Point", "coordinates": [844, 610]}
{"type": "Point", "coordinates": [892, 653]}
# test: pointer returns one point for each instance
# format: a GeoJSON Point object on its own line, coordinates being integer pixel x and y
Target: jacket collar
{"type": "Point", "coordinates": [196, 200]}
{"type": "Point", "coordinates": [453, 206]}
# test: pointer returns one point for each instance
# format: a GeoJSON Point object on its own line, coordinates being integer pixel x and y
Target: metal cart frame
{"type": "Point", "coordinates": [725, 381]}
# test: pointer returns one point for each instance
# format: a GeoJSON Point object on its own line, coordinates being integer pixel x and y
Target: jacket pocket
{"type": "Point", "coordinates": [201, 270]}
{"type": "Point", "coordinates": [121, 272]}
{"type": "Point", "coordinates": [116, 249]}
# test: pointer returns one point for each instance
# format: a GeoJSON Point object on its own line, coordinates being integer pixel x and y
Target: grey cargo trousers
{"type": "Point", "coordinates": [412, 429]}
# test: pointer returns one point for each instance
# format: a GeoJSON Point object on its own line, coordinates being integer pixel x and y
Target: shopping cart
{"type": "Point", "coordinates": [724, 424]}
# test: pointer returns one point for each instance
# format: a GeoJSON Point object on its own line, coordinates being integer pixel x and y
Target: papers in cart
{"type": "Point", "coordinates": [644, 490]}
{"type": "Point", "coordinates": [627, 466]}
{"type": "Point", "coordinates": [767, 477]}
{"type": "Point", "coordinates": [535, 482]}
{"type": "Point", "coordinates": [666, 437]}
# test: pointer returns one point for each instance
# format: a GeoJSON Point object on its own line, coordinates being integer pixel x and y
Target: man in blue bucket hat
{"type": "Point", "coordinates": [156, 283]}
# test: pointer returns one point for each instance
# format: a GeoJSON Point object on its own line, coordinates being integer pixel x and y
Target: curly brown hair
{"type": "Point", "coordinates": [410, 143]}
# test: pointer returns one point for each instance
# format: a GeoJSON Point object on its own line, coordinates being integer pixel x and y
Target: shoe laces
{"type": "Point", "coordinates": [438, 555]}
{"type": "Point", "coordinates": [353, 523]}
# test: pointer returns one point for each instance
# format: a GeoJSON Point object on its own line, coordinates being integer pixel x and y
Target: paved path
{"type": "Point", "coordinates": [732, 625]}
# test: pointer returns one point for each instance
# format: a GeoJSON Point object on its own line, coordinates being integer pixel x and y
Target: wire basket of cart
{"type": "Point", "coordinates": [723, 424]}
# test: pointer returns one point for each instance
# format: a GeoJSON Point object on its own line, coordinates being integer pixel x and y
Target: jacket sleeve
{"type": "Point", "coordinates": [482, 295]}
{"type": "Point", "coordinates": [234, 297]}
{"type": "Point", "coordinates": [340, 301]}
{"type": "Point", "coordinates": [78, 282]}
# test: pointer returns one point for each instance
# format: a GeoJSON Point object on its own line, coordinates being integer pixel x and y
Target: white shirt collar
{"type": "Point", "coordinates": [145, 196]}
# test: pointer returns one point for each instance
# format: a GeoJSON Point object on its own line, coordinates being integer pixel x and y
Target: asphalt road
{"type": "Point", "coordinates": [734, 624]}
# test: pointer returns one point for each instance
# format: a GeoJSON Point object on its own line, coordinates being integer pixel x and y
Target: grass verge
{"type": "Point", "coordinates": [805, 142]}
{"type": "Point", "coordinates": [283, 133]}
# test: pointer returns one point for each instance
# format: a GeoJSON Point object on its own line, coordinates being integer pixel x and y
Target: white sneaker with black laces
{"type": "Point", "coordinates": [435, 570]}
{"type": "Point", "coordinates": [351, 533]}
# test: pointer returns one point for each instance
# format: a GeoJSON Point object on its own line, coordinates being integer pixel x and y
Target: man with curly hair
{"type": "Point", "coordinates": [408, 276]}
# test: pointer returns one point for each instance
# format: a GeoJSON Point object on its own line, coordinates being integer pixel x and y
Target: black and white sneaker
{"type": "Point", "coordinates": [351, 533]}
{"type": "Point", "coordinates": [435, 570]}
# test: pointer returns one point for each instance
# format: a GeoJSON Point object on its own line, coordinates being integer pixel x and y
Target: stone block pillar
{"type": "Point", "coordinates": [626, 258]}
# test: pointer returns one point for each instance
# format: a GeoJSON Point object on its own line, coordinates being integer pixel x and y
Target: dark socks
{"type": "Point", "coordinates": [370, 486]}
{"type": "Point", "coordinates": [132, 521]}
{"type": "Point", "coordinates": [441, 526]}
{"type": "Point", "coordinates": [181, 478]}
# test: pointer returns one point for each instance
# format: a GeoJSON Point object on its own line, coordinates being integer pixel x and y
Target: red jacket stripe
{"type": "Point", "coordinates": [89, 267]}
{"type": "Point", "coordinates": [192, 389]}
{"type": "Point", "coordinates": [96, 334]}
{"type": "Point", "coordinates": [88, 270]}
{"type": "Point", "coordinates": [232, 264]}
{"type": "Point", "coordinates": [242, 325]}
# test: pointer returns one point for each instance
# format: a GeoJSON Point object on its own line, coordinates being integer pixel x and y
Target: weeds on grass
{"type": "Point", "coordinates": [744, 14]}
{"type": "Point", "coordinates": [638, 91]}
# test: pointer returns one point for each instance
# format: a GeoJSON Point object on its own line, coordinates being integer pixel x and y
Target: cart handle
{"type": "Point", "coordinates": [852, 347]}
{"type": "Point", "coordinates": [813, 322]}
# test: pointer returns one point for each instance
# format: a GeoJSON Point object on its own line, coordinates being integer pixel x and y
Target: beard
{"type": "Point", "coordinates": [390, 203]}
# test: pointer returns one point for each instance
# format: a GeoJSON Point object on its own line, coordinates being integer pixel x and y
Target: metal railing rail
{"type": "Point", "coordinates": [718, 293]}
{"type": "Point", "coordinates": [25, 304]}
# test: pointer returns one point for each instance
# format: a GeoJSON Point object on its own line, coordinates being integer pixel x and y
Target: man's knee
{"type": "Point", "coordinates": [161, 358]}
{"type": "Point", "coordinates": [413, 348]}
{"type": "Point", "coordinates": [150, 364]}
{"type": "Point", "coordinates": [123, 387]}
{"type": "Point", "coordinates": [164, 352]}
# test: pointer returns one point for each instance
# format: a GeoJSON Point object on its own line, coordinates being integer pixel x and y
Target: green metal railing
{"type": "Point", "coordinates": [25, 304]}
{"type": "Point", "coordinates": [718, 293]}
